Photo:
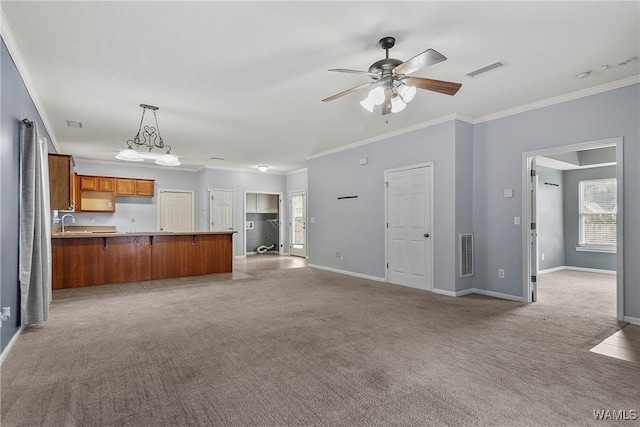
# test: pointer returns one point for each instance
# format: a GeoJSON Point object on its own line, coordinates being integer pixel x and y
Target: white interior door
{"type": "Point", "coordinates": [409, 203]}
{"type": "Point", "coordinates": [176, 210]}
{"type": "Point", "coordinates": [221, 210]}
{"type": "Point", "coordinates": [298, 223]}
{"type": "Point", "coordinates": [533, 235]}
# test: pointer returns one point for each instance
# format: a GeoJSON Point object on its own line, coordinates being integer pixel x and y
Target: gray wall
{"type": "Point", "coordinates": [16, 104]}
{"type": "Point", "coordinates": [498, 148]}
{"type": "Point", "coordinates": [604, 261]}
{"type": "Point", "coordinates": [355, 227]}
{"type": "Point", "coordinates": [550, 218]}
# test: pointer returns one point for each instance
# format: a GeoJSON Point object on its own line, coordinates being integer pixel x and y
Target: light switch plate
{"type": "Point", "coordinates": [507, 193]}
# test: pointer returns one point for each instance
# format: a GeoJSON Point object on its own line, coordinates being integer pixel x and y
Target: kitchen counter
{"type": "Point", "coordinates": [89, 234]}
{"type": "Point", "coordinates": [88, 258]}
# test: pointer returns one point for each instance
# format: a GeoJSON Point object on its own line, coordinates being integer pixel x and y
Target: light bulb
{"type": "Point", "coordinates": [368, 104]}
{"type": "Point", "coordinates": [397, 105]}
{"type": "Point", "coordinates": [407, 92]}
{"type": "Point", "coordinates": [129, 155]}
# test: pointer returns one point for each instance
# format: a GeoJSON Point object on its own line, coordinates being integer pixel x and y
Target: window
{"type": "Point", "coordinates": [598, 210]}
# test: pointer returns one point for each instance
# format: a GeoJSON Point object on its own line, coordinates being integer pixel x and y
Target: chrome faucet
{"type": "Point", "coordinates": [73, 221]}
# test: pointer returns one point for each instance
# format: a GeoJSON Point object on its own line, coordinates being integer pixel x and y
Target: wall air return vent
{"type": "Point", "coordinates": [465, 256]}
{"type": "Point", "coordinates": [485, 69]}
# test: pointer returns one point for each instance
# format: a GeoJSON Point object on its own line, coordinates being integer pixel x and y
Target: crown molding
{"type": "Point", "coordinates": [140, 165]}
{"type": "Point", "coordinates": [560, 99]}
{"type": "Point", "coordinates": [297, 171]}
{"type": "Point", "coordinates": [9, 40]}
{"type": "Point", "coordinates": [243, 170]}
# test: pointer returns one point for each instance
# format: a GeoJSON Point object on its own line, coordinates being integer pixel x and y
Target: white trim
{"type": "Point", "coordinates": [193, 205]}
{"type": "Point", "coordinates": [618, 142]}
{"type": "Point", "coordinates": [559, 99]}
{"type": "Point", "coordinates": [388, 135]}
{"type": "Point", "coordinates": [632, 320]}
{"type": "Point", "coordinates": [239, 256]}
{"type": "Point", "coordinates": [9, 346]}
{"type": "Point", "coordinates": [552, 270]}
{"type": "Point", "coordinates": [297, 171]}
{"type": "Point", "coordinates": [431, 260]}
{"type": "Point", "coordinates": [451, 293]}
{"type": "Point", "coordinates": [16, 56]}
{"type": "Point", "coordinates": [599, 249]}
{"type": "Point", "coordinates": [348, 273]}
{"type": "Point", "coordinates": [497, 295]}
{"type": "Point", "coordinates": [590, 270]}
{"type": "Point", "coordinates": [249, 170]}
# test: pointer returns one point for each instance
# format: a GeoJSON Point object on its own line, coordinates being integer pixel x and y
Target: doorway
{"type": "Point", "coordinates": [591, 204]}
{"type": "Point", "coordinates": [264, 233]}
{"type": "Point", "coordinates": [298, 223]}
{"type": "Point", "coordinates": [175, 210]}
{"type": "Point", "coordinates": [409, 225]}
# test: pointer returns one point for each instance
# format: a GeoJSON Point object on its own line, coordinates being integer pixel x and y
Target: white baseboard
{"type": "Point", "coordinates": [496, 294]}
{"type": "Point", "coordinates": [239, 257]}
{"type": "Point", "coordinates": [452, 293]}
{"type": "Point", "coordinates": [551, 270]}
{"type": "Point", "coordinates": [14, 339]}
{"type": "Point", "coordinates": [591, 270]}
{"type": "Point", "coordinates": [632, 320]}
{"type": "Point", "coordinates": [585, 269]}
{"type": "Point", "coordinates": [348, 273]}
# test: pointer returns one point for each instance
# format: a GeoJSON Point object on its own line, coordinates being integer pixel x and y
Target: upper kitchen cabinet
{"type": "Point", "coordinates": [134, 187]}
{"type": "Point", "coordinates": [262, 203]}
{"type": "Point", "coordinates": [61, 182]}
{"type": "Point", "coordinates": [97, 183]}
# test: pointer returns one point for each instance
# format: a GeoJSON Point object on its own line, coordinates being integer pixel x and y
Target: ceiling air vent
{"type": "Point", "coordinates": [74, 124]}
{"type": "Point", "coordinates": [485, 69]}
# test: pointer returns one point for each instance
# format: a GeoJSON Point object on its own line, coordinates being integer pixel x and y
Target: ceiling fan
{"type": "Point", "coordinates": [393, 87]}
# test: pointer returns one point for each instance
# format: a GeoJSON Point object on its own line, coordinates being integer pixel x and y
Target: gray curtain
{"type": "Point", "coordinates": [35, 226]}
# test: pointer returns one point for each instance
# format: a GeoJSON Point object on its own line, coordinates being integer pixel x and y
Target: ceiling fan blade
{"type": "Point", "coordinates": [448, 88]}
{"type": "Point", "coordinates": [426, 58]}
{"type": "Point", "coordinates": [344, 70]}
{"type": "Point", "coordinates": [348, 91]}
{"type": "Point", "coordinates": [386, 106]}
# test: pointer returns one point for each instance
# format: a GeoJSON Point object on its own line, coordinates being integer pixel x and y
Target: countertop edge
{"type": "Point", "coordinates": [81, 235]}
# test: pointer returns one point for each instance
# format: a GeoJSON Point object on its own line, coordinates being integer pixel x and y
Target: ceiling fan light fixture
{"type": "Point", "coordinates": [397, 104]}
{"type": "Point", "coordinates": [377, 95]}
{"type": "Point", "coordinates": [129, 155]}
{"type": "Point", "coordinates": [407, 92]}
{"type": "Point", "coordinates": [368, 104]}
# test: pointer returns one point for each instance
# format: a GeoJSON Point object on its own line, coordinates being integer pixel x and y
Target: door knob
{"type": "Point", "coordinates": [426, 234]}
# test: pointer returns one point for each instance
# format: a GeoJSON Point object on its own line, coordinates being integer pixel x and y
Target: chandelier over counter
{"type": "Point", "coordinates": [151, 139]}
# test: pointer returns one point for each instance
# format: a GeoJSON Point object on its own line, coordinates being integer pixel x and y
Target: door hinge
{"type": "Point", "coordinates": [387, 265]}
{"type": "Point", "coordinates": [533, 279]}
{"type": "Point", "coordinates": [533, 225]}
{"type": "Point", "coordinates": [387, 225]}
{"type": "Point", "coordinates": [533, 172]}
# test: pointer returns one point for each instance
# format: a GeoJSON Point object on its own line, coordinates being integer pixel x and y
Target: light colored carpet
{"type": "Point", "coordinates": [309, 347]}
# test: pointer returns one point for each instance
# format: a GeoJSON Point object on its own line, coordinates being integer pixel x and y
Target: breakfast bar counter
{"type": "Point", "coordinates": [84, 258]}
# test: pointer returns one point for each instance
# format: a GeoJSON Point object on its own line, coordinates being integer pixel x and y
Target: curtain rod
{"type": "Point", "coordinates": [27, 122]}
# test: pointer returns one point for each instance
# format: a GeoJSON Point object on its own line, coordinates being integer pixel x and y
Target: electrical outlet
{"type": "Point", "coordinates": [501, 273]}
{"type": "Point", "coordinates": [542, 256]}
{"type": "Point", "coordinates": [516, 220]}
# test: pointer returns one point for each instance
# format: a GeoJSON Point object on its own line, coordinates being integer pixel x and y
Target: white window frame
{"type": "Point", "coordinates": [582, 247]}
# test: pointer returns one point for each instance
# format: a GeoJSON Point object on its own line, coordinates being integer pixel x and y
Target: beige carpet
{"type": "Point", "coordinates": [309, 347]}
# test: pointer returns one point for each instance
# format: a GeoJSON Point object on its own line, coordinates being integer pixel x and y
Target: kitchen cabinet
{"type": "Point", "coordinates": [97, 183]}
{"type": "Point", "coordinates": [134, 187]}
{"type": "Point", "coordinates": [61, 182]}
{"type": "Point", "coordinates": [96, 201]}
{"type": "Point", "coordinates": [262, 203]}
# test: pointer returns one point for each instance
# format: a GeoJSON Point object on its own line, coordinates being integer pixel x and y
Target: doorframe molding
{"type": "Point", "coordinates": [430, 165]}
{"type": "Point", "coordinates": [617, 142]}
{"type": "Point", "coordinates": [306, 221]}
{"type": "Point", "coordinates": [193, 205]}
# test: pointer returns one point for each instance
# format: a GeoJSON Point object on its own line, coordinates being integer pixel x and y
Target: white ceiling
{"type": "Point", "coordinates": [244, 80]}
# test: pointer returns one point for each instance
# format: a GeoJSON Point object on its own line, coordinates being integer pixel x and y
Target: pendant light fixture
{"type": "Point", "coordinates": [151, 139]}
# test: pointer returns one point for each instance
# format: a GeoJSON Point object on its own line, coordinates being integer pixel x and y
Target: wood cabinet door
{"type": "Point", "coordinates": [125, 187]}
{"type": "Point", "coordinates": [144, 187]}
{"type": "Point", "coordinates": [107, 184]}
{"type": "Point", "coordinates": [61, 182]}
{"type": "Point", "coordinates": [89, 183]}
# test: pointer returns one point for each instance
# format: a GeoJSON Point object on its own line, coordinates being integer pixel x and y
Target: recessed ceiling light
{"type": "Point", "coordinates": [582, 74]}
{"type": "Point", "coordinates": [263, 168]}
{"type": "Point", "coordinates": [74, 124]}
